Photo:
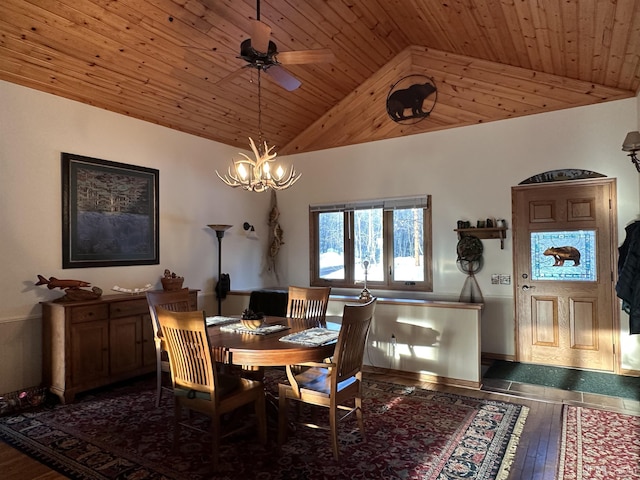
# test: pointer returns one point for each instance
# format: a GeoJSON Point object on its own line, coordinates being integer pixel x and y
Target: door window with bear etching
{"type": "Point", "coordinates": [564, 256]}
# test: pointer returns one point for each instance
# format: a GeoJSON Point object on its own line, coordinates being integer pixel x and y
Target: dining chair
{"type": "Point", "coordinates": [197, 384]}
{"type": "Point", "coordinates": [331, 385]}
{"type": "Point", "coordinates": [174, 300]}
{"type": "Point", "coordinates": [307, 308]}
{"type": "Point", "coordinates": [310, 304]}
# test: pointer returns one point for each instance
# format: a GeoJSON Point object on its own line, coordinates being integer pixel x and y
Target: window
{"type": "Point", "coordinates": [391, 236]}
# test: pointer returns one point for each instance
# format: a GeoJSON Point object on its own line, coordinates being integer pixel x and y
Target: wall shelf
{"type": "Point", "coordinates": [484, 233]}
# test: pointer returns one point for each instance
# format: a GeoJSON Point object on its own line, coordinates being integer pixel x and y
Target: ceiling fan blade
{"type": "Point", "coordinates": [234, 74]}
{"type": "Point", "coordinates": [260, 33]}
{"type": "Point", "coordinates": [283, 78]}
{"type": "Point", "coordinates": [322, 55]}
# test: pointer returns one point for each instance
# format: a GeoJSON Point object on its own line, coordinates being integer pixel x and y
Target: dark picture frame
{"type": "Point", "coordinates": [109, 213]}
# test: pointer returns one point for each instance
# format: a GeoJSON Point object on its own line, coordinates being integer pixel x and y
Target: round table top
{"type": "Point", "coordinates": [268, 350]}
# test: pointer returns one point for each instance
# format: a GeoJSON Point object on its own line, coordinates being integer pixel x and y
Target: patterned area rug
{"type": "Point", "coordinates": [411, 433]}
{"type": "Point", "coordinates": [599, 445]}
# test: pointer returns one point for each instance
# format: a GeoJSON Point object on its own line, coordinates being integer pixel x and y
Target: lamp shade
{"type": "Point", "coordinates": [217, 227]}
{"type": "Point", "coordinates": [631, 142]}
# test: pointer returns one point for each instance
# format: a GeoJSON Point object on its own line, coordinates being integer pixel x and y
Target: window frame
{"type": "Point", "coordinates": [388, 206]}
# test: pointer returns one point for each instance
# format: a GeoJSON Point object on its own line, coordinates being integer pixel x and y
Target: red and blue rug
{"type": "Point", "coordinates": [411, 433]}
{"type": "Point", "coordinates": [599, 445]}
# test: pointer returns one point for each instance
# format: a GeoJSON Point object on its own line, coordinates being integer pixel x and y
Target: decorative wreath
{"type": "Point", "coordinates": [469, 248]}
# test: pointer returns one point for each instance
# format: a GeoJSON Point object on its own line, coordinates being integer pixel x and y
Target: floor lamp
{"type": "Point", "coordinates": [220, 229]}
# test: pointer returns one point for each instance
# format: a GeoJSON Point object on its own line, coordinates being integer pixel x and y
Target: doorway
{"type": "Point", "coordinates": [565, 242]}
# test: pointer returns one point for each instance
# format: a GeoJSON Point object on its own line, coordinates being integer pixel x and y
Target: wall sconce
{"type": "Point", "coordinates": [632, 144]}
{"type": "Point", "coordinates": [251, 231]}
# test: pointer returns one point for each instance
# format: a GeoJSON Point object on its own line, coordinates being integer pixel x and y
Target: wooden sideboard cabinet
{"type": "Point", "coordinates": [88, 344]}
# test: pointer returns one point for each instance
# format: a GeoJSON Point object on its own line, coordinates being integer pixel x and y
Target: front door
{"type": "Point", "coordinates": [564, 256]}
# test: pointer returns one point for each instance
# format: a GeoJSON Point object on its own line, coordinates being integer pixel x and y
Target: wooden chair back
{"type": "Point", "coordinates": [336, 385]}
{"type": "Point", "coordinates": [309, 303]}
{"type": "Point", "coordinates": [173, 300]}
{"type": "Point", "coordinates": [197, 384]}
{"type": "Point", "coordinates": [348, 355]}
{"type": "Point", "coordinates": [187, 342]}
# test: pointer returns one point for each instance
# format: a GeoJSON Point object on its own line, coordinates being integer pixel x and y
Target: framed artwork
{"type": "Point", "coordinates": [109, 213]}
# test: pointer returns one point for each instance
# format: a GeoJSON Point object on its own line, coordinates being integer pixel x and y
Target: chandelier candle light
{"type": "Point", "coordinates": [255, 175]}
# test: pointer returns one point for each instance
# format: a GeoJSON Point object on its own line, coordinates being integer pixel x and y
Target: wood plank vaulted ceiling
{"type": "Point", "coordinates": [169, 61]}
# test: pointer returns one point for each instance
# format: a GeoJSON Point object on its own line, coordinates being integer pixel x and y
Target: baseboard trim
{"type": "Point", "coordinates": [486, 357]}
{"type": "Point", "coordinates": [423, 377]}
{"type": "Point", "coordinates": [630, 373]}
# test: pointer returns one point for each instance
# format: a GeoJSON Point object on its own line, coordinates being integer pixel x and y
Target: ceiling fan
{"type": "Point", "coordinates": [262, 54]}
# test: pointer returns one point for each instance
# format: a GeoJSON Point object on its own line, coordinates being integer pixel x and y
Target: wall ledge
{"type": "Point", "coordinates": [389, 300]}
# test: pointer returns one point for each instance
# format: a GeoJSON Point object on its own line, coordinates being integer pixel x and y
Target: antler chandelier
{"type": "Point", "coordinates": [256, 175]}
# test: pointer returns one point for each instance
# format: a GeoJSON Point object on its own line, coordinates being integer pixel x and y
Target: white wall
{"type": "Point", "coordinates": [34, 129]}
{"type": "Point", "coordinates": [468, 171]}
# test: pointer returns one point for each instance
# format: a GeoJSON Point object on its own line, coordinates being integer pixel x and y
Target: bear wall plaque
{"type": "Point", "coordinates": [411, 99]}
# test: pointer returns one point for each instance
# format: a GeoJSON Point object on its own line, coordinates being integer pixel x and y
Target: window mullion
{"type": "Point", "coordinates": [388, 246]}
{"type": "Point", "coordinates": [314, 229]}
{"type": "Point", "coordinates": [348, 249]}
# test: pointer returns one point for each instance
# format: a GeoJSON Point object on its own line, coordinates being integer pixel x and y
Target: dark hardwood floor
{"type": "Point", "coordinates": [536, 456]}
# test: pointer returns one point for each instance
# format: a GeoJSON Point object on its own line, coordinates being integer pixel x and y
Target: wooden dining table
{"type": "Point", "coordinates": [267, 350]}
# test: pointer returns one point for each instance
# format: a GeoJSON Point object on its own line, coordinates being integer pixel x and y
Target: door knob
{"type": "Point", "coordinates": [527, 287]}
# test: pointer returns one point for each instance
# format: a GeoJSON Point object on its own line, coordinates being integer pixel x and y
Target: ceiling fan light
{"type": "Point", "coordinates": [260, 34]}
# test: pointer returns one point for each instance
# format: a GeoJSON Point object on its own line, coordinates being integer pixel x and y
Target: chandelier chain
{"type": "Point", "coordinates": [259, 112]}
{"type": "Point", "coordinates": [257, 175]}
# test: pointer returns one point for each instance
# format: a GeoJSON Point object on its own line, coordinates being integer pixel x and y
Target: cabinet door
{"type": "Point", "coordinates": [148, 342]}
{"type": "Point", "coordinates": [89, 351]}
{"type": "Point", "coordinates": [126, 344]}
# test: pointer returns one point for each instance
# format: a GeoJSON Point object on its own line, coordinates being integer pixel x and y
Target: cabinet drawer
{"type": "Point", "coordinates": [130, 307]}
{"type": "Point", "coordinates": [89, 312]}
